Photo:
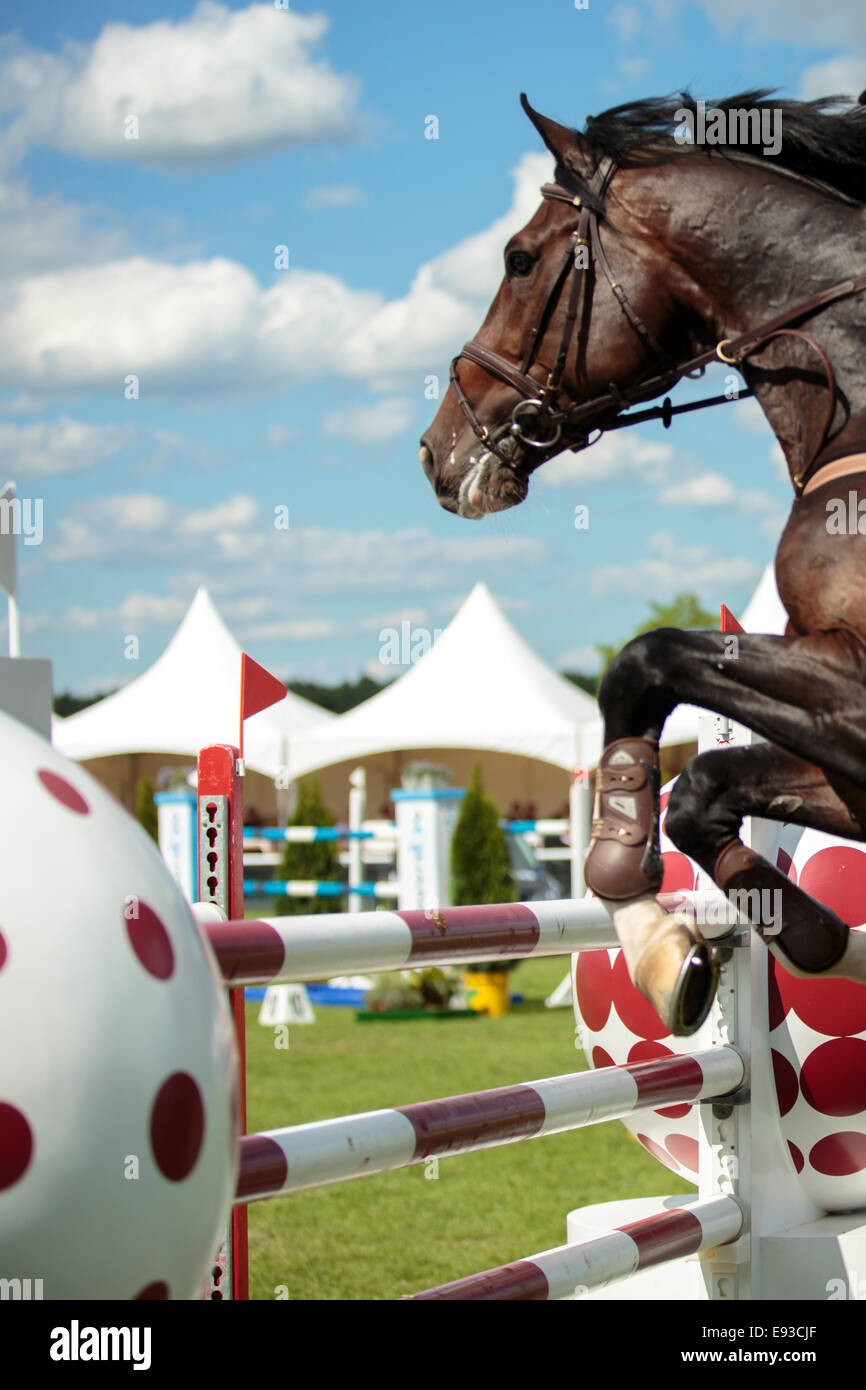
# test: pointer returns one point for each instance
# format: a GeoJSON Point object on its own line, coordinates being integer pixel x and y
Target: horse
{"type": "Point", "coordinates": [651, 255]}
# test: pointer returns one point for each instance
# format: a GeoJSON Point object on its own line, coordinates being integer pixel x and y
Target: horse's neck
{"type": "Point", "coordinates": [755, 243]}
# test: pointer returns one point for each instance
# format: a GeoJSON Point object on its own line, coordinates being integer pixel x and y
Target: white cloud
{"type": "Point", "coordinates": [39, 230]}
{"type": "Point", "coordinates": [378, 671]}
{"type": "Point", "coordinates": [668, 560]}
{"type": "Point", "coordinates": [633, 68]}
{"type": "Point", "coordinates": [448, 296]}
{"type": "Point", "coordinates": [133, 613]}
{"type": "Point", "coordinates": [217, 86]}
{"type": "Point", "coordinates": [224, 545]}
{"type": "Point", "coordinates": [712, 491]}
{"type": "Point", "coordinates": [749, 416]}
{"type": "Point", "coordinates": [617, 455]}
{"type": "Point", "coordinates": [297, 629]}
{"type": "Point", "coordinates": [372, 423]}
{"type": "Point", "coordinates": [277, 436]}
{"type": "Point", "coordinates": [628, 21]}
{"type": "Point", "coordinates": [184, 330]}
{"type": "Point", "coordinates": [843, 76]}
{"type": "Point", "coordinates": [706, 490]}
{"type": "Point", "coordinates": [238, 511]}
{"type": "Point", "coordinates": [49, 447]}
{"type": "Point", "coordinates": [779, 462]}
{"type": "Point", "coordinates": [586, 660]}
{"type": "Point", "coordinates": [209, 326]}
{"type": "Point", "coordinates": [804, 22]}
{"type": "Point", "coordinates": [375, 623]}
{"type": "Point", "coordinates": [337, 195]}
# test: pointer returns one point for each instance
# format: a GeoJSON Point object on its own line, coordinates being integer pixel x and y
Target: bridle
{"type": "Point", "coordinates": [570, 426]}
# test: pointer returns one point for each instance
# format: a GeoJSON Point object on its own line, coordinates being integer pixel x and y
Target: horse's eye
{"type": "Point", "coordinates": [519, 263]}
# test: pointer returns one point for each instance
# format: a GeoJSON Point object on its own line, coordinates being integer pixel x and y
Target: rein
{"type": "Point", "coordinates": [572, 425]}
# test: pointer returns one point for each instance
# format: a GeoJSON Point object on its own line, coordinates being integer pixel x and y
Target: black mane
{"type": "Point", "coordinates": [820, 142]}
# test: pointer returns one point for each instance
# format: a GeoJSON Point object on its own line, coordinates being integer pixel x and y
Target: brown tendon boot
{"type": "Point", "coordinates": [667, 959]}
{"type": "Point", "coordinates": [624, 860]}
{"type": "Point", "coordinates": [805, 935]}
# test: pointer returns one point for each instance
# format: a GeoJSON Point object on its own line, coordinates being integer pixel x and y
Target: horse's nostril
{"type": "Point", "coordinates": [426, 458]}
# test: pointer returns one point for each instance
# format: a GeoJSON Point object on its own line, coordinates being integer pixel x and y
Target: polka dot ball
{"type": "Point", "coordinates": [817, 1032]}
{"type": "Point", "coordinates": [118, 1155]}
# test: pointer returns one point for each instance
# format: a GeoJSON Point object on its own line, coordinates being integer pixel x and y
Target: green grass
{"type": "Point", "coordinates": [392, 1234]}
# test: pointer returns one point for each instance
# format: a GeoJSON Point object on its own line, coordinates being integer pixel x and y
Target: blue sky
{"type": "Point", "coordinates": [304, 388]}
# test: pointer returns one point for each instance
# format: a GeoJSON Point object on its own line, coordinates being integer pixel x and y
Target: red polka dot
{"type": "Point", "coordinates": [16, 1145]}
{"type": "Point", "coordinates": [600, 1058]}
{"type": "Point", "coordinates": [786, 864]}
{"type": "Point", "coordinates": [674, 1112]}
{"type": "Point", "coordinates": [658, 1152]}
{"type": "Point", "coordinates": [644, 1051]}
{"type": "Point", "coordinates": [636, 1012]}
{"type": "Point", "coordinates": [777, 1008]}
{"type": "Point", "coordinates": [664, 799]}
{"type": "Point", "coordinates": [834, 1007]}
{"type": "Point", "coordinates": [684, 1150]}
{"type": "Point", "coordinates": [836, 876]}
{"type": "Point", "coordinates": [3, 950]}
{"type": "Point", "coordinates": [648, 1052]}
{"type": "Point", "coordinates": [594, 982]}
{"type": "Point", "coordinates": [177, 1126]}
{"type": "Point", "coordinates": [158, 1289]}
{"type": "Point", "coordinates": [680, 873]}
{"type": "Point", "coordinates": [839, 1155]}
{"type": "Point", "coordinates": [63, 791]}
{"type": "Point", "coordinates": [833, 1077]}
{"type": "Point", "coordinates": [797, 1157]}
{"type": "Point", "coordinates": [150, 942]}
{"type": "Point", "coordinates": [785, 1077]}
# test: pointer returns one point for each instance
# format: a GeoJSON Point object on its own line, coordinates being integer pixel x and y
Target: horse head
{"type": "Point", "coordinates": [551, 340]}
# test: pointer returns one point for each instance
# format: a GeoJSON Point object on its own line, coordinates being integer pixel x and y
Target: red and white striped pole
{"type": "Point", "coordinates": [570, 1270]}
{"type": "Point", "coordinates": [378, 1141]}
{"type": "Point", "coordinates": [266, 950]}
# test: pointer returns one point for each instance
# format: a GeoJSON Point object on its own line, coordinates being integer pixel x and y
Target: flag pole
{"type": "Point", "coordinates": [14, 627]}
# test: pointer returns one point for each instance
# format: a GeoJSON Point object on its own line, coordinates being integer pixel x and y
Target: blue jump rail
{"type": "Point", "coordinates": [301, 888]}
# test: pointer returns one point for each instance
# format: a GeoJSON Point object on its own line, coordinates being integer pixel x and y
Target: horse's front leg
{"type": "Point", "coordinates": [780, 687]}
{"type": "Point", "coordinates": [714, 792]}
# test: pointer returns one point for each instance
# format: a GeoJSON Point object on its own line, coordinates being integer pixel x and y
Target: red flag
{"type": "Point", "coordinates": [259, 690]}
{"type": "Point", "coordinates": [729, 622]}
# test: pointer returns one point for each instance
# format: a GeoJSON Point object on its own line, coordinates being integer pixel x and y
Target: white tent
{"type": "Point", "coordinates": [188, 698]}
{"type": "Point", "coordinates": [764, 611]}
{"type": "Point", "coordinates": [480, 686]}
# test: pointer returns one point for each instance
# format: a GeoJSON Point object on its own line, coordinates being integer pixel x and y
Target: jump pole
{"type": "Point", "coordinates": [299, 1157]}
{"type": "Point", "coordinates": [570, 1270]}
{"type": "Point", "coordinates": [266, 951]}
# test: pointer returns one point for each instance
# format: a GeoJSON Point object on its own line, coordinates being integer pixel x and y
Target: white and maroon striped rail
{"type": "Point", "coordinates": [266, 950]}
{"type": "Point", "coordinates": [595, 1263]}
{"type": "Point", "coordinates": [354, 1146]}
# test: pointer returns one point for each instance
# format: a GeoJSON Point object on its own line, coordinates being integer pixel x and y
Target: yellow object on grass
{"type": "Point", "coordinates": [487, 991]}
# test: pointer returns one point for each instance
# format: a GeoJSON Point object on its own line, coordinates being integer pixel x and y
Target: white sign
{"type": "Point", "coordinates": [286, 1004]}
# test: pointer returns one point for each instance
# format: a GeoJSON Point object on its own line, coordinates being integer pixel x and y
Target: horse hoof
{"type": "Point", "coordinates": [675, 970]}
{"type": "Point", "coordinates": [694, 991]}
